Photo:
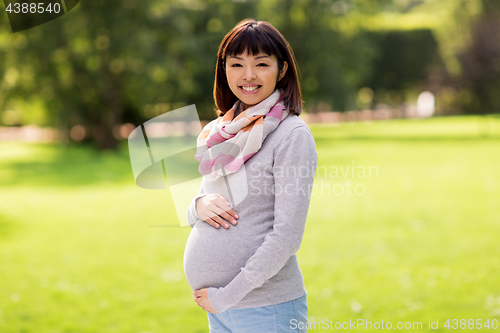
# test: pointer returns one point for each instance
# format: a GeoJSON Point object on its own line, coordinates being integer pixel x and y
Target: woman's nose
{"type": "Point", "coordinates": [249, 73]}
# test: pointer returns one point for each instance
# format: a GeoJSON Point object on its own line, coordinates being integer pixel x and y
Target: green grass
{"type": "Point", "coordinates": [79, 253]}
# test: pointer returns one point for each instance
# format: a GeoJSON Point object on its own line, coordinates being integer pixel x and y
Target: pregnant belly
{"type": "Point", "coordinates": [213, 257]}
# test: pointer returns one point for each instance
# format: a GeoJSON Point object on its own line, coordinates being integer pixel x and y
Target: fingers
{"type": "Point", "coordinates": [226, 207]}
{"type": "Point", "coordinates": [197, 295]}
{"type": "Point", "coordinates": [226, 211]}
{"type": "Point", "coordinates": [197, 299]}
{"type": "Point", "coordinates": [209, 216]}
{"type": "Point", "coordinates": [200, 292]}
{"type": "Point", "coordinates": [212, 222]}
{"type": "Point", "coordinates": [216, 211]}
{"type": "Point", "coordinates": [215, 216]}
{"type": "Point", "coordinates": [229, 215]}
{"type": "Point", "coordinates": [218, 219]}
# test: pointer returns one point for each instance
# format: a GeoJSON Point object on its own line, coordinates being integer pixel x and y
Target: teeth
{"type": "Point", "coordinates": [250, 88]}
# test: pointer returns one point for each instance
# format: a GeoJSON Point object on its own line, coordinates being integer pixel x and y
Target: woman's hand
{"type": "Point", "coordinates": [211, 208]}
{"type": "Point", "coordinates": [200, 296]}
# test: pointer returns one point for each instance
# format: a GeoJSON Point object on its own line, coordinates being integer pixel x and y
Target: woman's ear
{"type": "Point", "coordinates": [283, 70]}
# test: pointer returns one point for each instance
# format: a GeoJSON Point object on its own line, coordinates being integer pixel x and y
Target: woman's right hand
{"type": "Point", "coordinates": [211, 208]}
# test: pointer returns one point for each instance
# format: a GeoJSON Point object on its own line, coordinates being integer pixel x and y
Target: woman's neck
{"type": "Point", "coordinates": [240, 109]}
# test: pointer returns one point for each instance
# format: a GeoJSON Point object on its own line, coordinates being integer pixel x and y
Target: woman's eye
{"type": "Point", "coordinates": [261, 64]}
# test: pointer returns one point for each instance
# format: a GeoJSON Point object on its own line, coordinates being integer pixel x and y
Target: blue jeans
{"type": "Point", "coordinates": [284, 317]}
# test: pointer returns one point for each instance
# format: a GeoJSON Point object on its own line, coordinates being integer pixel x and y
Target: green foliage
{"type": "Point", "coordinates": [404, 60]}
{"type": "Point", "coordinates": [106, 63]}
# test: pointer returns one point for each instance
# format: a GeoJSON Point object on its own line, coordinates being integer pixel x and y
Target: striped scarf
{"type": "Point", "coordinates": [227, 142]}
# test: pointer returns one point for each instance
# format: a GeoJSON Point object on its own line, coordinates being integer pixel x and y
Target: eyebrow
{"type": "Point", "coordinates": [264, 56]}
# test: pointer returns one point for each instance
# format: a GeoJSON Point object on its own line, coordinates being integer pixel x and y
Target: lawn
{"type": "Point", "coordinates": [411, 235]}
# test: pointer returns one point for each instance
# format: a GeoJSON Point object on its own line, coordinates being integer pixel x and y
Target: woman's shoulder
{"type": "Point", "coordinates": [292, 131]}
{"type": "Point", "coordinates": [290, 123]}
{"type": "Point", "coordinates": [295, 139]}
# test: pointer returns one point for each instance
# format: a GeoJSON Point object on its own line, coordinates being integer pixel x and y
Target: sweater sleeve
{"type": "Point", "coordinates": [292, 197]}
{"type": "Point", "coordinates": [192, 215]}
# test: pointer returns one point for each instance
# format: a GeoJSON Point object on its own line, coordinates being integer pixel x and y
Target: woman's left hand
{"type": "Point", "coordinates": [200, 296]}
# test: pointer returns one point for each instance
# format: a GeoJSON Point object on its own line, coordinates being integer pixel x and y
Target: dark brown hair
{"type": "Point", "coordinates": [256, 37]}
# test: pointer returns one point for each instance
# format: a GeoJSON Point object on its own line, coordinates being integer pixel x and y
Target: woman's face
{"type": "Point", "coordinates": [253, 78]}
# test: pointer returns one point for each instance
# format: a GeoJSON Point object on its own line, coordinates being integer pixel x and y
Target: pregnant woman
{"type": "Point", "coordinates": [258, 160]}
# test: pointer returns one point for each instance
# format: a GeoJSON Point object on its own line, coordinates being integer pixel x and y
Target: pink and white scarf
{"type": "Point", "coordinates": [242, 136]}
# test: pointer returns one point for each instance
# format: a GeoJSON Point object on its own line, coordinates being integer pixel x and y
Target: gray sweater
{"type": "Point", "coordinates": [254, 262]}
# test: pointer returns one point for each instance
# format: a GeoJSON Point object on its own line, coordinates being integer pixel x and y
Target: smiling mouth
{"type": "Point", "coordinates": [253, 88]}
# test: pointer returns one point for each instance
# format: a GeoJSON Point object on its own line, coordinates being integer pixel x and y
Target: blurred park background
{"type": "Point", "coordinates": [410, 88]}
